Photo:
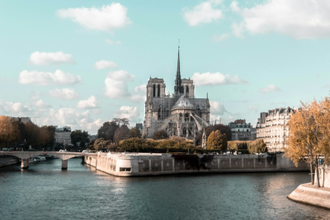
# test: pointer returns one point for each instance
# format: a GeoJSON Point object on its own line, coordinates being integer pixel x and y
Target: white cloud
{"type": "Point", "coordinates": [140, 93]}
{"type": "Point", "coordinates": [215, 119]}
{"type": "Point", "coordinates": [64, 94]}
{"type": "Point", "coordinates": [43, 58]}
{"type": "Point", "coordinates": [116, 84]}
{"type": "Point", "coordinates": [104, 64]}
{"type": "Point", "coordinates": [220, 37]}
{"type": "Point", "coordinates": [217, 108]}
{"type": "Point", "coordinates": [68, 117]}
{"type": "Point", "coordinates": [110, 42]}
{"type": "Point", "coordinates": [202, 13]}
{"type": "Point", "coordinates": [131, 113]}
{"type": "Point", "coordinates": [41, 104]}
{"type": "Point", "coordinates": [234, 6]}
{"type": "Point", "coordinates": [121, 75]}
{"type": "Point", "coordinates": [203, 79]}
{"type": "Point", "coordinates": [269, 88]}
{"type": "Point", "coordinates": [91, 102]}
{"type": "Point", "coordinates": [115, 89]}
{"type": "Point", "coordinates": [106, 18]}
{"type": "Point", "coordinates": [299, 19]}
{"type": "Point", "coordinates": [46, 78]}
{"type": "Point", "coordinates": [14, 108]}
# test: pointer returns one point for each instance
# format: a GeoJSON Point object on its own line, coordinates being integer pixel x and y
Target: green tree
{"type": "Point", "coordinates": [32, 134]}
{"type": "Point", "coordinates": [160, 135]}
{"type": "Point", "coordinates": [134, 133]}
{"type": "Point", "coordinates": [121, 134]}
{"type": "Point", "coordinates": [107, 131]}
{"type": "Point", "coordinates": [79, 136]}
{"type": "Point", "coordinates": [217, 141]}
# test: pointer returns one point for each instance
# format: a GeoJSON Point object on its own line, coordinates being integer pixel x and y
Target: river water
{"type": "Point", "coordinates": [44, 191]}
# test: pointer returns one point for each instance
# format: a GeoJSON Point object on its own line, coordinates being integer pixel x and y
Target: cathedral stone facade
{"type": "Point", "coordinates": [179, 114]}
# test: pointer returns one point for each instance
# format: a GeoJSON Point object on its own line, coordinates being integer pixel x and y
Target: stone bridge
{"type": "Point", "coordinates": [26, 155]}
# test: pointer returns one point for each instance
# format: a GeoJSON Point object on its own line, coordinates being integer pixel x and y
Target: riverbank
{"type": "Point", "coordinates": [7, 161]}
{"type": "Point", "coordinates": [312, 195]}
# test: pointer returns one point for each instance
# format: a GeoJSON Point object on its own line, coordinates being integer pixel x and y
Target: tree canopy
{"type": "Point", "coordinates": [309, 137]}
{"type": "Point", "coordinates": [121, 133]}
{"type": "Point", "coordinates": [160, 135]}
{"type": "Point", "coordinates": [217, 141]}
{"type": "Point", "coordinates": [79, 136]}
{"type": "Point", "coordinates": [224, 129]}
{"type": "Point", "coordinates": [108, 129]}
{"type": "Point", "coordinates": [134, 133]}
{"type": "Point", "coordinates": [8, 130]}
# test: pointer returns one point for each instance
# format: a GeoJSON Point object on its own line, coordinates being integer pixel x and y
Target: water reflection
{"type": "Point", "coordinates": [45, 191]}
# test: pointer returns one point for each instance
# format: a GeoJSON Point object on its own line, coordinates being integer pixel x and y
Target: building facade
{"type": "Point", "coordinates": [241, 131]}
{"type": "Point", "coordinates": [23, 120]}
{"type": "Point", "coordinates": [179, 114]}
{"type": "Point", "coordinates": [62, 135]}
{"type": "Point", "coordinates": [273, 129]}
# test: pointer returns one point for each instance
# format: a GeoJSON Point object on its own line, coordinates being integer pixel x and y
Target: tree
{"type": "Point", "coordinates": [80, 137]}
{"type": "Point", "coordinates": [121, 134]}
{"type": "Point", "coordinates": [8, 130]}
{"type": "Point", "coordinates": [51, 136]}
{"type": "Point", "coordinates": [160, 135]}
{"type": "Point", "coordinates": [31, 134]}
{"type": "Point", "coordinates": [134, 133]}
{"type": "Point", "coordinates": [107, 131]}
{"type": "Point", "coordinates": [100, 144]}
{"type": "Point", "coordinates": [217, 141]}
{"type": "Point", "coordinates": [257, 146]}
{"type": "Point", "coordinates": [309, 135]}
{"type": "Point", "coordinates": [224, 129]}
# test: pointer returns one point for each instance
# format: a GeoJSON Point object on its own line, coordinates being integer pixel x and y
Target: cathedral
{"type": "Point", "coordinates": [179, 114]}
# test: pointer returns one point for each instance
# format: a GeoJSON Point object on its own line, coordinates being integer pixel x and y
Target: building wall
{"type": "Point", "coordinates": [62, 135]}
{"type": "Point", "coordinates": [241, 131]}
{"type": "Point", "coordinates": [273, 128]}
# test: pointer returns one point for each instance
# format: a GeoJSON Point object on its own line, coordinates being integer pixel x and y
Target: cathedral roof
{"type": "Point", "coordinates": [183, 103]}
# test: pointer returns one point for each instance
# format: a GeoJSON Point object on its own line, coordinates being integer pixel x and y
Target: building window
{"type": "Point", "coordinates": [125, 169]}
{"type": "Point", "coordinates": [154, 91]}
{"type": "Point", "coordinates": [184, 132]}
{"type": "Point", "coordinates": [187, 90]}
{"type": "Point", "coordinates": [158, 91]}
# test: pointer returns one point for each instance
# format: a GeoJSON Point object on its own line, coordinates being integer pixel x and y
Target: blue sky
{"type": "Point", "coordinates": [81, 63]}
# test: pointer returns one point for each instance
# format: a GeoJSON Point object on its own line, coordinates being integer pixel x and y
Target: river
{"type": "Point", "coordinates": [44, 191]}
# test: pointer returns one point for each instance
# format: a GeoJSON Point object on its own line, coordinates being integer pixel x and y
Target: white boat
{"type": "Point", "coordinates": [39, 158]}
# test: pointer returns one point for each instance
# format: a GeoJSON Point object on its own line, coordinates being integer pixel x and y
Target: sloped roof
{"type": "Point", "coordinates": [183, 103]}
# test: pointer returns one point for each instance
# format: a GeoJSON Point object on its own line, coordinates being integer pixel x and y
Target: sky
{"type": "Point", "coordinates": [81, 63]}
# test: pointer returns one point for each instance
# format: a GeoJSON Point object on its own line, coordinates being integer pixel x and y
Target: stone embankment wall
{"type": "Point", "coordinates": [8, 160]}
{"type": "Point", "coordinates": [144, 164]}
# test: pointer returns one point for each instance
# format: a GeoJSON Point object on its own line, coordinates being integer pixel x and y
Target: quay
{"type": "Point", "coordinates": [149, 164]}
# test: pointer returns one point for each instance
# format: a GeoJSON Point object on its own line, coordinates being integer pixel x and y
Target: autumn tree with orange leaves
{"type": "Point", "coordinates": [8, 131]}
{"type": "Point", "coordinates": [309, 138]}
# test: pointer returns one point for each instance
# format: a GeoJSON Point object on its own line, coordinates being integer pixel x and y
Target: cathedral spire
{"type": "Point", "coordinates": [178, 88]}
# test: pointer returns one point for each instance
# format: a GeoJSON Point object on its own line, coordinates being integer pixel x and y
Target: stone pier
{"type": "Point", "coordinates": [25, 164]}
{"type": "Point", "coordinates": [64, 164]}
